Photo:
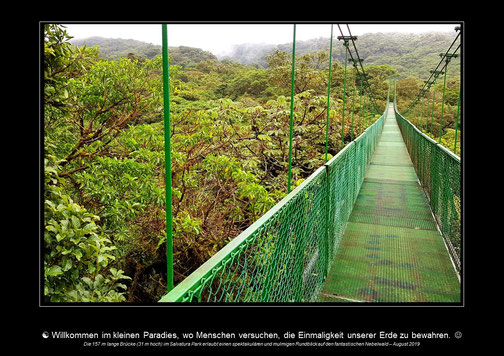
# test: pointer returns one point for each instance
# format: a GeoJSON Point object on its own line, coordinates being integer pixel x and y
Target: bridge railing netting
{"type": "Point", "coordinates": [438, 171]}
{"type": "Point", "coordinates": [285, 255]}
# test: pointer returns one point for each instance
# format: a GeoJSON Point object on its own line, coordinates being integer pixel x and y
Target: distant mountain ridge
{"type": "Point", "coordinates": [410, 54]}
{"type": "Point", "coordinates": [114, 48]}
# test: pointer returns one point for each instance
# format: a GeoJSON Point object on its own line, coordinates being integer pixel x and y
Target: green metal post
{"type": "Point", "coordinates": [456, 125]}
{"type": "Point", "coordinates": [364, 108]}
{"type": "Point", "coordinates": [299, 243]}
{"type": "Point", "coordinates": [353, 108]}
{"type": "Point", "coordinates": [168, 180]}
{"type": "Point", "coordinates": [432, 117]}
{"type": "Point", "coordinates": [328, 96]}
{"type": "Point", "coordinates": [292, 109]}
{"type": "Point", "coordinates": [442, 104]}
{"type": "Point", "coordinates": [421, 114]}
{"type": "Point", "coordinates": [344, 99]}
{"type": "Point", "coordinates": [361, 109]}
{"type": "Point", "coordinates": [326, 230]}
{"type": "Point", "coordinates": [426, 114]}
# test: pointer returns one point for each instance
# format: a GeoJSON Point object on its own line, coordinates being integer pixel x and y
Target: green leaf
{"type": "Point", "coordinates": [120, 285]}
{"type": "Point", "coordinates": [67, 264]}
{"type": "Point", "coordinates": [99, 279]}
{"type": "Point", "coordinates": [51, 228]}
{"type": "Point", "coordinates": [76, 222]}
{"type": "Point", "coordinates": [88, 281]}
{"type": "Point", "coordinates": [89, 228]}
{"type": "Point", "coordinates": [78, 254]}
{"type": "Point", "coordinates": [91, 268]}
{"type": "Point", "coordinates": [102, 260]}
{"type": "Point", "coordinates": [53, 271]}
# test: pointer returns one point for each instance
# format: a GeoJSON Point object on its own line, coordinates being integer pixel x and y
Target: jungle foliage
{"type": "Point", "coordinates": [104, 202]}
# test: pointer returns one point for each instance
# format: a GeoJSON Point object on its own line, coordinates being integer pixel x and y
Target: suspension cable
{"type": "Point", "coordinates": [433, 75]}
{"type": "Point", "coordinates": [362, 75]}
{"type": "Point", "coordinates": [360, 63]}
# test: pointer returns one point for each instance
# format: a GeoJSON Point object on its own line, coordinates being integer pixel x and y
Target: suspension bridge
{"type": "Point", "coordinates": [380, 222]}
{"type": "Point", "coordinates": [391, 250]}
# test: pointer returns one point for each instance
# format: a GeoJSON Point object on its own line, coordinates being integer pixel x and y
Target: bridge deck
{"type": "Point", "coordinates": [391, 250]}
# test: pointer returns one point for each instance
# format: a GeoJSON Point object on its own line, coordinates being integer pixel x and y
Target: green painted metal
{"type": "Point", "coordinates": [285, 255]}
{"type": "Point", "coordinates": [360, 228]}
{"type": "Point", "coordinates": [456, 124]}
{"type": "Point", "coordinates": [168, 180]}
{"type": "Point", "coordinates": [421, 113]}
{"type": "Point", "coordinates": [442, 104]}
{"type": "Point", "coordinates": [438, 171]}
{"type": "Point", "coordinates": [326, 232]}
{"type": "Point", "coordinates": [361, 109]}
{"type": "Point", "coordinates": [426, 124]}
{"type": "Point", "coordinates": [364, 108]}
{"type": "Point", "coordinates": [433, 100]}
{"type": "Point", "coordinates": [344, 96]}
{"type": "Point", "coordinates": [391, 251]}
{"type": "Point", "coordinates": [328, 96]}
{"type": "Point", "coordinates": [353, 109]}
{"type": "Point", "coordinates": [292, 108]}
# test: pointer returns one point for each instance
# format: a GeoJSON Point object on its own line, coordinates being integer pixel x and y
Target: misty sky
{"type": "Point", "coordinates": [219, 38]}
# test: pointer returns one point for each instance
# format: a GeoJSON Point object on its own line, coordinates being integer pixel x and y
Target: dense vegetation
{"type": "Point", "coordinates": [426, 116]}
{"type": "Point", "coordinates": [104, 202]}
{"type": "Point", "coordinates": [410, 54]}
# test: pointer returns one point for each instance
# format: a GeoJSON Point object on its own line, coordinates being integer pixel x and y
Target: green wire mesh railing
{"type": "Point", "coordinates": [438, 171]}
{"type": "Point", "coordinates": [286, 254]}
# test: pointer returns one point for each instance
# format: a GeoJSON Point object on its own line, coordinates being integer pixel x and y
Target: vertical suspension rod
{"type": "Point", "coordinates": [168, 176]}
{"type": "Point", "coordinates": [328, 96]}
{"type": "Point", "coordinates": [361, 109]}
{"type": "Point", "coordinates": [291, 108]}
{"type": "Point", "coordinates": [456, 125]}
{"type": "Point", "coordinates": [353, 107]}
{"type": "Point", "coordinates": [447, 57]}
{"type": "Point", "coordinates": [326, 230]}
{"type": "Point", "coordinates": [442, 106]}
{"type": "Point", "coordinates": [433, 99]}
{"type": "Point", "coordinates": [344, 92]}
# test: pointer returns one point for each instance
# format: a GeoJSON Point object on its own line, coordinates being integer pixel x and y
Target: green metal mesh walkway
{"type": "Point", "coordinates": [391, 250]}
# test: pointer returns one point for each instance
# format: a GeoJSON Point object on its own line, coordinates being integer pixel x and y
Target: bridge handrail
{"type": "Point", "coordinates": [438, 171]}
{"type": "Point", "coordinates": [285, 255]}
